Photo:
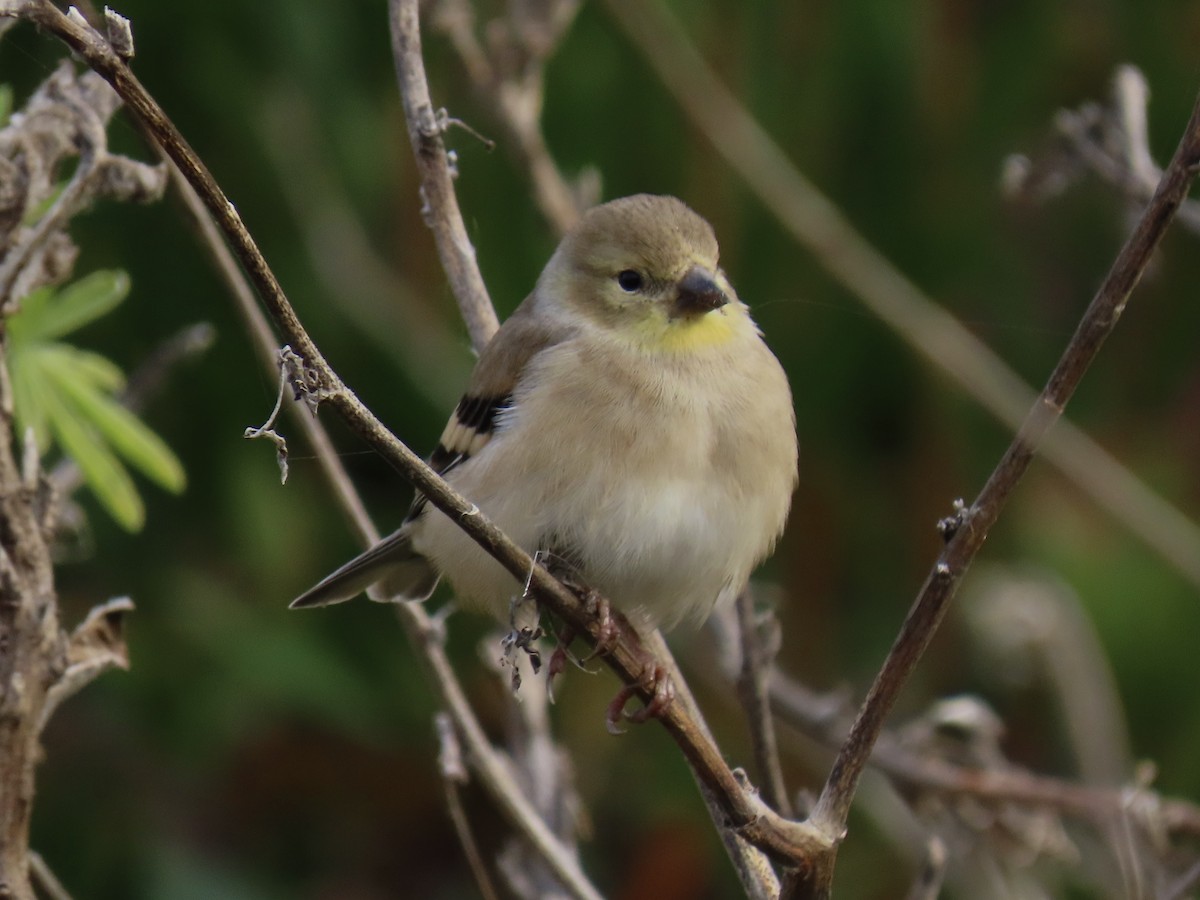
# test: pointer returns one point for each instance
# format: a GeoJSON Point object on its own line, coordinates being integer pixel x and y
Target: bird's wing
{"type": "Point", "coordinates": [499, 369]}
{"type": "Point", "coordinates": [393, 561]}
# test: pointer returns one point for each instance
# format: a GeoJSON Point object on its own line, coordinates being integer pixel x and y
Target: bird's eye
{"type": "Point", "coordinates": [630, 281]}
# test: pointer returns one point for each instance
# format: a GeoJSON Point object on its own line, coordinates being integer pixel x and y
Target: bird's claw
{"type": "Point", "coordinates": [662, 690]}
{"type": "Point", "coordinates": [607, 630]}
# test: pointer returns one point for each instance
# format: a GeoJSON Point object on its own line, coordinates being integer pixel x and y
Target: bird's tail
{"type": "Point", "coordinates": [401, 572]}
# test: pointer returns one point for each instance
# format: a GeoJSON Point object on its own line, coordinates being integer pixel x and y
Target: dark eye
{"type": "Point", "coordinates": [630, 281]}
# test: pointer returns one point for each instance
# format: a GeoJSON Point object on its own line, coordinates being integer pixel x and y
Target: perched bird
{"type": "Point", "coordinates": [627, 420]}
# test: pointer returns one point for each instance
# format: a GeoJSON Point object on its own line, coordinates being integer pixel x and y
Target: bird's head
{"type": "Point", "coordinates": [645, 269]}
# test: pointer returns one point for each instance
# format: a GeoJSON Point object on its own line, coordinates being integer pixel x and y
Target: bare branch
{"type": "Point", "coordinates": [439, 202]}
{"type": "Point", "coordinates": [422, 632]}
{"type": "Point", "coordinates": [542, 769]}
{"type": "Point", "coordinates": [1110, 141]}
{"type": "Point", "coordinates": [809, 714]}
{"type": "Point", "coordinates": [509, 76]}
{"type": "Point", "coordinates": [97, 645]}
{"type": "Point", "coordinates": [1098, 322]}
{"type": "Point", "coordinates": [759, 644]}
{"type": "Point", "coordinates": [45, 879]}
{"type": "Point", "coordinates": [454, 775]}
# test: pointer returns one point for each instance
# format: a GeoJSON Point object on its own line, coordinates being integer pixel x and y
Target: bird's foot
{"type": "Point", "coordinates": [607, 629]}
{"type": "Point", "coordinates": [662, 690]}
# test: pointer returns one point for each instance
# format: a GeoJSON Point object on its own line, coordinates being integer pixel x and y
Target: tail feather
{"type": "Point", "coordinates": [392, 563]}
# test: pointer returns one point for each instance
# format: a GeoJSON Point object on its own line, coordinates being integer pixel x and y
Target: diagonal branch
{"type": "Point", "coordinates": [1098, 322]}
{"type": "Point", "coordinates": [421, 630]}
{"type": "Point", "coordinates": [789, 841]}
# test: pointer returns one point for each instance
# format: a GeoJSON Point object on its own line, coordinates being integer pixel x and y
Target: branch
{"type": "Point", "coordinates": [45, 879]}
{"type": "Point", "coordinates": [1098, 322]}
{"type": "Point", "coordinates": [39, 664]}
{"type": "Point", "coordinates": [759, 645]}
{"type": "Point", "coordinates": [942, 340]}
{"type": "Point", "coordinates": [454, 776]}
{"type": "Point", "coordinates": [423, 633]}
{"type": "Point", "coordinates": [97, 644]}
{"type": "Point", "coordinates": [1110, 141]}
{"type": "Point", "coordinates": [509, 77]}
{"type": "Point", "coordinates": [816, 716]}
{"type": "Point", "coordinates": [824, 718]}
{"type": "Point", "coordinates": [440, 203]}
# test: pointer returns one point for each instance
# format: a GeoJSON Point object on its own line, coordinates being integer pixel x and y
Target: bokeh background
{"type": "Point", "coordinates": [252, 752]}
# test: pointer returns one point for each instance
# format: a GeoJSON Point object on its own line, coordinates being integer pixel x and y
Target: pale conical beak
{"type": "Point", "coordinates": [698, 293]}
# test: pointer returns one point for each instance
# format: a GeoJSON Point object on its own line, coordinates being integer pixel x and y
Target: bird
{"type": "Point", "coordinates": [627, 422]}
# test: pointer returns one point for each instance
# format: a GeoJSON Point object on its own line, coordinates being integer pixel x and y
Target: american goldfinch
{"type": "Point", "coordinates": [627, 420]}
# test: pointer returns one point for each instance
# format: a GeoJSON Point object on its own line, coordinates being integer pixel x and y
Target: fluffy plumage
{"type": "Point", "coordinates": [627, 418]}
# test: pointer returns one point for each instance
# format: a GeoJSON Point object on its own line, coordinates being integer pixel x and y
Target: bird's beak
{"type": "Point", "coordinates": [698, 293]}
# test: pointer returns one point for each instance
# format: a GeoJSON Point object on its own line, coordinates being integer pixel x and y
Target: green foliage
{"type": "Point", "coordinates": [67, 396]}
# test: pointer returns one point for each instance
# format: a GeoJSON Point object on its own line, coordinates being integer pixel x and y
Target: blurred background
{"type": "Point", "coordinates": [252, 752]}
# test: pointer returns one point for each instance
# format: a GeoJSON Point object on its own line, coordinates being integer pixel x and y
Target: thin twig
{"type": "Point", "coordinates": [813, 715]}
{"type": "Point", "coordinates": [1098, 321]}
{"type": "Point", "coordinates": [941, 339]}
{"type": "Point", "coordinates": [421, 631]}
{"type": "Point", "coordinates": [758, 661]}
{"type": "Point", "coordinates": [454, 775]}
{"type": "Point", "coordinates": [462, 827]}
{"type": "Point", "coordinates": [439, 201]}
{"type": "Point", "coordinates": [509, 77]}
{"type": "Point", "coordinates": [418, 627]}
{"type": "Point", "coordinates": [45, 878]}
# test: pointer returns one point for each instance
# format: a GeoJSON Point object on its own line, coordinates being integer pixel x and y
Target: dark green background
{"type": "Point", "coordinates": [252, 752]}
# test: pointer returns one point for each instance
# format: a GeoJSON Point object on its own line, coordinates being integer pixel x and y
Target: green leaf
{"type": "Point", "coordinates": [97, 370]}
{"type": "Point", "coordinates": [127, 434]}
{"type": "Point", "coordinates": [102, 471]}
{"type": "Point", "coordinates": [32, 308]}
{"type": "Point", "coordinates": [6, 103]}
{"type": "Point", "coordinates": [30, 413]}
{"type": "Point", "coordinates": [45, 315]}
